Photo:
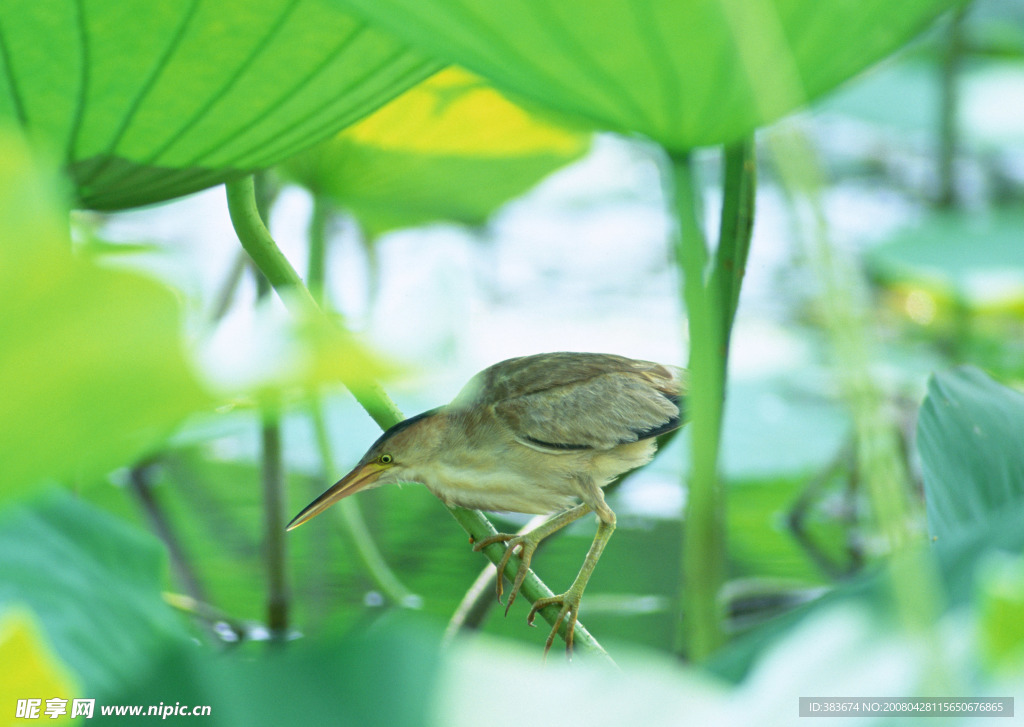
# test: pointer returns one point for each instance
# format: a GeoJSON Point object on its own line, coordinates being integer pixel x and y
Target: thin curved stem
{"type": "Point", "coordinates": [271, 262]}
{"type": "Point", "coordinates": [265, 253]}
{"type": "Point", "coordinates": [474, 607]}
{"type": "Point", "coordinates": [351, 513]}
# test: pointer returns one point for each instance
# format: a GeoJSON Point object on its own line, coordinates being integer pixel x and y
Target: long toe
{"type": "Point", "coordinates": [497, 538]}
{"type": "Point", "coordinates": [527, 546]}
{"type": "Point", "coordinates": [525, 556]}
{"type": "Point", "coordinates": [569, 613]}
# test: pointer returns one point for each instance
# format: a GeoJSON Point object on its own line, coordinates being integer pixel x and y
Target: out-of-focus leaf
{"type": "Point", "coordinates": [903, 96]}
{"type": "Point", "coordinates": [386, 675]}
{"type": "Point", "coordinates": [997, 27]}
{"type": "Point", "coordinates": [271, 351]}
{"type": "Point", "coordinates": [149, 101]}
{"type": "Point", "coordinates": [970, 434]}
{"type": "Point", "coordinates": [977, 258]}
{"type": "Point", "coordinates": [1001, 611]}
{"type": "Point", "coordinates": [760, 541]}
{"type": "Point", "coordinates": [94, 585]}
{"type": "Point", "coordinates": [777, 428]}
{"type": "Point", "coordinates": [450, 149]}
{"type": "Point", "coordinates": [91, 362]}
{"type": "Point", "coordinates": [839, 649]}
{"type": "Point", "coordinates": [28, 669]}
{"type": "Point", "coordinates": [683, 73]}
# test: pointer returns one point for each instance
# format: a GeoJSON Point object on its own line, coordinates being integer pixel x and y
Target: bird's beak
{"type": "Point", "coordinates": [354, 481]}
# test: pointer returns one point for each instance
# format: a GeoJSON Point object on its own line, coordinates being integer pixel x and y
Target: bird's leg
{"type": "Point", "coordinates": [527, 542]}
{"type": "Point", "coordinates": [570, 600]}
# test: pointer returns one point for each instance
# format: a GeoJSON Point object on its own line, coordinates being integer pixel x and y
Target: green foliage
{"type": "Point", "coordinates": [386, 676]}
{"type": "Point", "coordinates": [94, 584]}
{"type": "Point", "coordinates": [682, 73]}
{"type": "Point", "coordinates": [1001, 612]}
{"type": "Point", "coordinates": [141, 103]}
{"type": "Point", "coordinates": [450, 149]}
{"type": "Point", "coordinates": [970, 441]}
{"type": "Point", "coordinates": [974, 258]}
{"type": "Point", "coordinates": [93, 372]}
{"type": "Point", "coordinates": [971, 435]}
{"type": "Point", "coordinates": [149, 101]}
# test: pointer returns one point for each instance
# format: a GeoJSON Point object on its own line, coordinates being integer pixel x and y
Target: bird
{"type": "Point", "coordinates": [537, 434]}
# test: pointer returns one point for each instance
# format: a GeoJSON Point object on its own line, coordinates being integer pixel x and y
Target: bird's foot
{"type": "Point", "coordinates": [569, 613]}
{"type": "Point", "coordinates": [527, 544]}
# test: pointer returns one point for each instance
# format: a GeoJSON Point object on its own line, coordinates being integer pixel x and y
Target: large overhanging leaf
{"type": "Point", "coordinates": [683, 72]}
{"type": "Point", "coordinates": [150, 100]}
{"type": "Point", "coordinates": [450, 149]}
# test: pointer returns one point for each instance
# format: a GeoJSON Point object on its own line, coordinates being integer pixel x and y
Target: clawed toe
{"type": "Point", "coordinates": [526, 547]}
{"type": "Point", "coordinates": [569, 602]}
{"type": "Point", "coordinates": [569, 613]}
{"type": "Point", "coordinates": [498, 538]}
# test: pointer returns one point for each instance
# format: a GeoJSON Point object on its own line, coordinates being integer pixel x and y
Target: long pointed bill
{"type": "Point", "coordinates": [351, 483]}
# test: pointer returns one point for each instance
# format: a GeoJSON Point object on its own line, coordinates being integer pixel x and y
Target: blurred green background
{"type": "Point", "coordinates": [459, 183]}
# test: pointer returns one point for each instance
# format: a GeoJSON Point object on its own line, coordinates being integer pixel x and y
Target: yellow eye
{"type": "Point", "coordinates": [385, 459]}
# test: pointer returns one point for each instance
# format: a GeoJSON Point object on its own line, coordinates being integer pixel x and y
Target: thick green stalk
{"type": "Point", "coordinates": [711, 302]}
{"type": "Point", "coordinates": [704, 531]}
{"type": "Point", "coordinates": [268, 258]}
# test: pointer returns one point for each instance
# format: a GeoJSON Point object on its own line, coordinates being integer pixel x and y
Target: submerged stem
{"type": "Point", "coordinates": [274, 521]}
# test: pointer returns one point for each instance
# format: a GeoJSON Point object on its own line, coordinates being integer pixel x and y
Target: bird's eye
{"type": "Point", "coordinates": [385, 459]}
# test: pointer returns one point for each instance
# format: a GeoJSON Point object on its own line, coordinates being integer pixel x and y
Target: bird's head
{"type": "Point", "coordinates": [394, 457]}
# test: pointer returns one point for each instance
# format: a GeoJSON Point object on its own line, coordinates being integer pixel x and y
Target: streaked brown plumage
{"type": "Point", "coordinates": [532, 435]}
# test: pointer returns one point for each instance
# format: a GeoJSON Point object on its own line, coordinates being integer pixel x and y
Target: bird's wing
{"type": "Point", "coordinates": [566, 401]}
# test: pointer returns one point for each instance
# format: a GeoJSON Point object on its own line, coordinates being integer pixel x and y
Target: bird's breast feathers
{"type": "Point", "coordinates": [501, 490]}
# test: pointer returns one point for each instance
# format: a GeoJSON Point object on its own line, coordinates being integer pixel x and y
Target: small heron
{"type": "Point", "coordinates": [534, 435]}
